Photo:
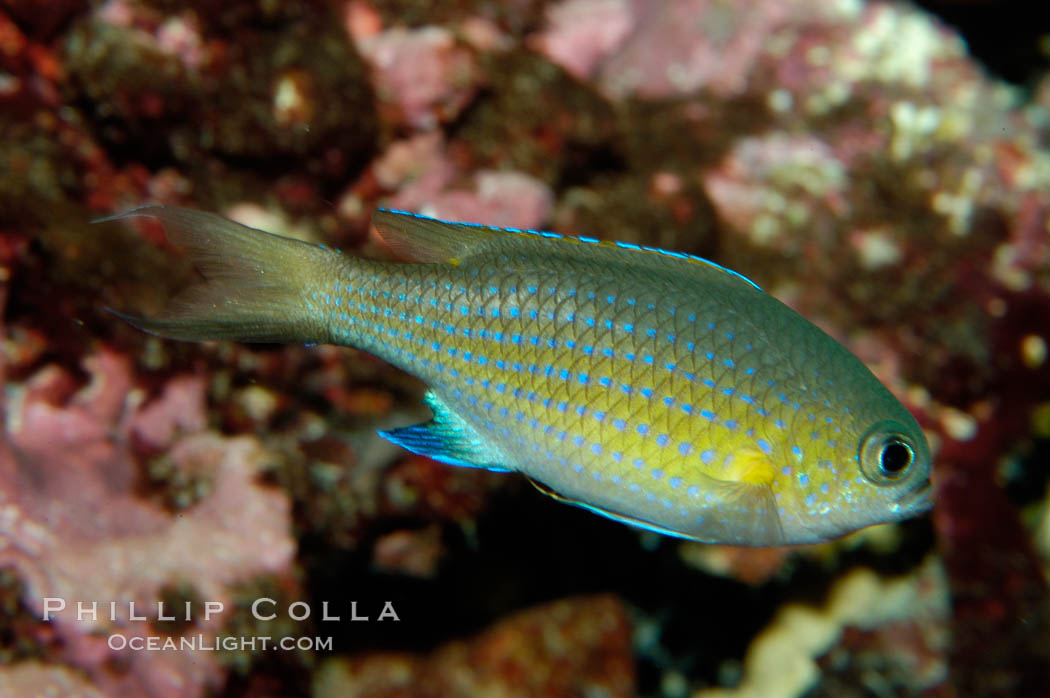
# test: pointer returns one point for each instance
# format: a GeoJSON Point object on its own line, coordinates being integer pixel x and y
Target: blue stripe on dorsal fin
{"type": "Point", "coordinates": [424, 239]}
{"type": "Point", "coordinates": [446, 438]}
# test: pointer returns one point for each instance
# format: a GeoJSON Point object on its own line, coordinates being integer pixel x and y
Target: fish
{"type": "Point", "coordinates": [653, 387]}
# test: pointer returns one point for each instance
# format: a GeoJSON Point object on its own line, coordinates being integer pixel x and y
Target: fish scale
{"type": "Point", "coordinates": [666, 427]}
{"type": "Point", "coordinates": [649, 386]}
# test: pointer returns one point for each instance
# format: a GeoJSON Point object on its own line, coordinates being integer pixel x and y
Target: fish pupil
{"type": "Point", "coordinates": [896, 457]}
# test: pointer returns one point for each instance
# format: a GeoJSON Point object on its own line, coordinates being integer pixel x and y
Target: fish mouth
{"type": "Point", "coordinates": [917, 497]}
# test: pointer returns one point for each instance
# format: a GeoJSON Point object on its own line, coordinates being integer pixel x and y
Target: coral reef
{"type": "Point", "coordinates": [583, 645]}
{"type": "Point", "coordinates": [854, 158]}
{"type": "Point", "coordinates": [884, 617]}
{"type": "Point", "coordinates": [75, 526]}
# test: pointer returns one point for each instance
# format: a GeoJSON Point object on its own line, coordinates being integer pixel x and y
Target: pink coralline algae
{"type": "Point", "coordinates": [76, 528]}
{"type": "Point", "coordinates": [582, 33]}
{"type": "Point", "coordinates": [422, 73]}
{"type": "Point", "coordinates": [426, 180]}
{"type": "Point", "coordinates": [661, 49]}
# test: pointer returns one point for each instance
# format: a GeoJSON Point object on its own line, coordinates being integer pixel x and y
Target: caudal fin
{"type": "Point", "coordinates": [254, 283]}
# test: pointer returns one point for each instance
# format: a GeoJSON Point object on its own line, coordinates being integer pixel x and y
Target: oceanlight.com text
{"type": "Point", "coordinates": [211, 643]}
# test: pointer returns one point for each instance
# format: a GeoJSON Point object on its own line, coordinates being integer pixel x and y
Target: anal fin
{"type": "Point", "coordinates": [631, 521]}
{"type": "Point", "coordinates": [726, 512]}
{"type": "Point", "coordinates": [446, 438]}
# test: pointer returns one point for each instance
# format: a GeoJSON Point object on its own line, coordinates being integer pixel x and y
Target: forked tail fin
{"type": "Point", "coordinates": [255, 284]}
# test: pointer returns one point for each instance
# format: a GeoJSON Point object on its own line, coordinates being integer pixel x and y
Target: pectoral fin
{"type": "Point", "coordinates": [737, 513]}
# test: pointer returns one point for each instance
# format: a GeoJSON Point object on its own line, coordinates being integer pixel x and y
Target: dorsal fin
{"type": "Point", "coordinates": [423, 239]}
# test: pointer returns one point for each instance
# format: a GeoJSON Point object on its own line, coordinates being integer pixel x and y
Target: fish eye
{"type": "Point", "coordinates": [895, 458]}
{"type": "Point", "coordinates": [886, 455]}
